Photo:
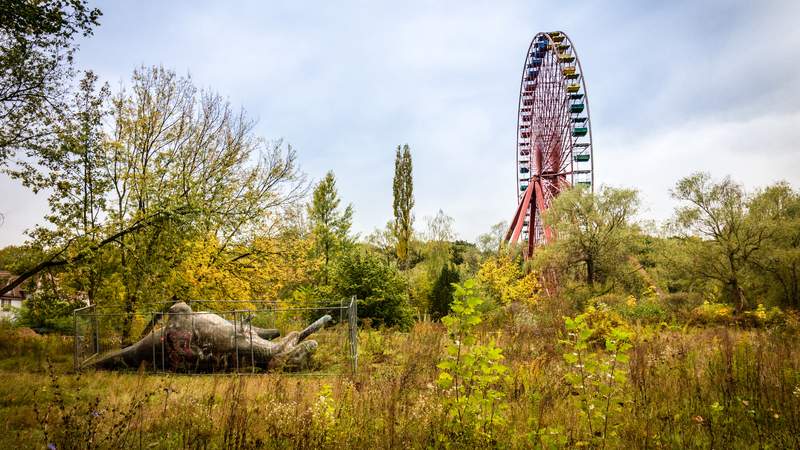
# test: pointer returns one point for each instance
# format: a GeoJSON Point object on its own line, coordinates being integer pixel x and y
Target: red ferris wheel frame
{"type": "Point", "coordinates": [554, 136]}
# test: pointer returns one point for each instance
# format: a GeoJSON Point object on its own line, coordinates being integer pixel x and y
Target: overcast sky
{"type": "Point", "coordinates": [675, 87]}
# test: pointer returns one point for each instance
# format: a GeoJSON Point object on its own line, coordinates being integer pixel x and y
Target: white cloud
{"type": "Point", "coordinates": [755, 152]}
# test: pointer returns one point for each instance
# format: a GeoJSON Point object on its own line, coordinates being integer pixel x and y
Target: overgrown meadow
{"type": "Point", "coordinates": [514, 378]}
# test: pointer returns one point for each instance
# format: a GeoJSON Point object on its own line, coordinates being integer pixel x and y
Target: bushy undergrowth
{"type": "Point", "coordinates": [593, 379]}
{"type": "Point", "coordinates": [471, 374]}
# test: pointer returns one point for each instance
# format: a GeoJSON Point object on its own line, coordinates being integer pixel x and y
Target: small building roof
{"type": "Point", "coordinates": [15, 294]}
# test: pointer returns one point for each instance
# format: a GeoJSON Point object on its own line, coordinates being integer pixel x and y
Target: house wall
{"type": "Point", "coordinates": [8, 308]}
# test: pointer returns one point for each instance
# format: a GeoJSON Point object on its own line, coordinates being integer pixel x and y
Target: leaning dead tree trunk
{"type": "Point", "coordinates": [200, 341]}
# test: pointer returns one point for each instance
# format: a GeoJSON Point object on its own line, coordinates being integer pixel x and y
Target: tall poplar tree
{"type": "Point", "coordinates": [330, 225]}
{"type": "Point", "coordinates": [403, 189]}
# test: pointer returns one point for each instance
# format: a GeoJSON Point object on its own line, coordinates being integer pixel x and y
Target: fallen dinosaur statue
{"type": "Point", "coordinates": [202, 342]}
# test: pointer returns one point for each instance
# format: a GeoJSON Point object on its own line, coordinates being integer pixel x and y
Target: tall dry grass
{"type": "Point", "coordinates": [716, 387]}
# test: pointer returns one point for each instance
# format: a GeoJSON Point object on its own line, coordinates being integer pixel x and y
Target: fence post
{"type": "Point", "coordinates": [252, 358]}
{"type": "Point", "coordinates": [96, 334]}
{"type": "Point", "coordinates": [153, 340]}
{"type": "Point", "coordinates": [163, 338]}
{"type": "Point", "coordinates": [236, 324]}
{"type": "Point", "coordinates": [75, 326]}
{"type": "Point", "coordinates": [352, 316]}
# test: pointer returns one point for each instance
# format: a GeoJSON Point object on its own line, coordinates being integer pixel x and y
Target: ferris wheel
{"type": "Point", "coordinates": [554, 135]}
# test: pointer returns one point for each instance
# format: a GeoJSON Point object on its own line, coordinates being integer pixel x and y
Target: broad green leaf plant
{"type": "Point", "coordinates": [471, 373]}
{"type": "Point", "coordinates": [598, 378]}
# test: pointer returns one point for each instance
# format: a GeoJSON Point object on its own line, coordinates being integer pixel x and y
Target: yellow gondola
{"type": "Point", "coordinates": [563, 57]}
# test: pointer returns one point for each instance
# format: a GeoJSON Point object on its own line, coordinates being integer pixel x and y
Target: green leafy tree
{"type": "Point", "coordinates": [716, 212]}
{"type": "Point", "coordinates": [73, 171]}
{"type": "Point", "coordinates": [466, 256]}
{"type": "Point", "coordinates": [383, 240]}
{"type": "Point", "coordinates": [178, 165]}
{"type": "Point", "coordinates": [442, 292]}
{"type": "Point", "coordinates": [330, 226]}
{"type": "Point", "coordinates": [19, 258]}
{"type": "Point", "coordinates": [777, 260]}
{"type": "Point", "coordinates": [403, 190]}
{"type": "Point", "coordinates": [598, 378]}
{"type": "Point", "coordinates": [36, 52]}
{"type": "Point", "coordinates": [46, 311]}
{"type": "Point", "coordinates": [439, 234]}
{"type": "Point", "coordinates": [593, 231]}
{"type": "Point", "coordinates": [380, 288]}
{"type": "Point", "coordinates": [471, 374]}
{"type": "Point", "coordinates": [489, 243]}
{"type": "Point", "coordinates": [185, 165]}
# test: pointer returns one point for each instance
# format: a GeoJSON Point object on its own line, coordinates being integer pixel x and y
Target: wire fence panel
{"type": "Point", "coordinates": [241, 339]}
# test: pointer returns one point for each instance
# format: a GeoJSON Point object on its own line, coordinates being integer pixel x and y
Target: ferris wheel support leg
{"type": "Point", "coordinates": [519, 217]}
{"type": "Point", "coordinates": [548, 233]}
{"type": "Point", "coordinates": [534, 206]}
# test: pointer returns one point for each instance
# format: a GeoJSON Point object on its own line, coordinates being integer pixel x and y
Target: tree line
{"type": "Point", "coordinates": [162, 191]}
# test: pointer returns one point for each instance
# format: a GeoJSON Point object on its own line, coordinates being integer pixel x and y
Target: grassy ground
{"type": "Point", "coordinates": [691, 387]}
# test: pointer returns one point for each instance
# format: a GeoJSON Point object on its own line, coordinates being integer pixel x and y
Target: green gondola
{"type": "Point", "coordinates": [582, 158]}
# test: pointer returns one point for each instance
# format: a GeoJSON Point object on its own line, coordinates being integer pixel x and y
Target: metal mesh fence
{"type": "Point", "coordinates": [221, 340]}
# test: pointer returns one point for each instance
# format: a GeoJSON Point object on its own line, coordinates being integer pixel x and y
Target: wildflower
{"type": "Point", "coordinates": [51, 446]}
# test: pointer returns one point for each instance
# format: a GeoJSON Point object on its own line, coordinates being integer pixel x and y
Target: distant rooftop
{"type": "Point", "coordinates": [15, 294]}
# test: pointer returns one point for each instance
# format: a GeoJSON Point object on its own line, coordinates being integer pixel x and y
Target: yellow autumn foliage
{"type": "Point", "coordinates": [266, 269]}
{"type": "Point", "coordinates": [502, 279]}
{"type": "Point", "coordinates": [206, 274]}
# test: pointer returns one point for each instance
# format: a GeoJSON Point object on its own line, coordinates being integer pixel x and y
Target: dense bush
{"type": "Point", "coordinates": [44, 311]}
{"type": "Point", "coordinates": [442, 292]}
{"type": "Point", "coordinates": [379, 287]}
